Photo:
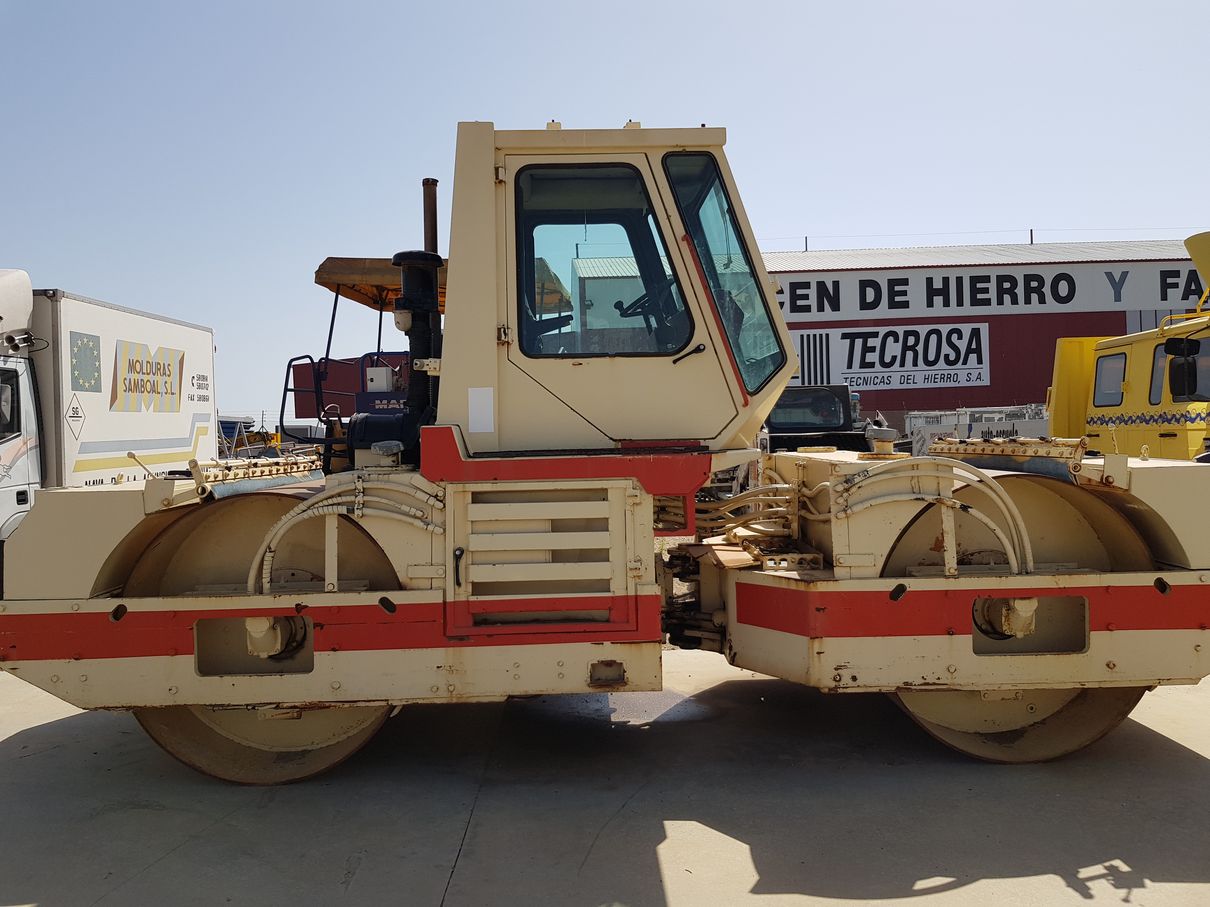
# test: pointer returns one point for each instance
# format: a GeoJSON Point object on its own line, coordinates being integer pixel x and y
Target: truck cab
{"type": "Point", "coordinates": [20, 465]}
{"type": "Point", "coordinates": [1118, 391]}
{"type": "Point", "coordinates": [1142, 393]}
{"type": "Point", "coordinates": [814, 416]}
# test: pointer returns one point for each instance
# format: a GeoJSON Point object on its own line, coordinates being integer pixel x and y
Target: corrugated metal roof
{"type": "Point", "coordinates": [620, 266]}
{"type": "Point", "coordinates": [931, 257]}
{"type": "Point", "coordinates": [958, 256]}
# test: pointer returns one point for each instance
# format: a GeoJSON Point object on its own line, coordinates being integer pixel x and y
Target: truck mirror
{"type": "Point", "coordinates": [1182, 376]}
{"type": "Point", "coordinates": [1182, 346]}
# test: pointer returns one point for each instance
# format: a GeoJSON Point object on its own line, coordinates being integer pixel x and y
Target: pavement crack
{"type": "Point", "coordinates": [352, 865]}
{"type": "Point", "coordinates": [190, 837]}
{"type": "Point", "coordinates": [45, 749]}
{"type": "Point", "coordinates": [600, 831]}
{"type": "Point", "coordinates": [487, 758]}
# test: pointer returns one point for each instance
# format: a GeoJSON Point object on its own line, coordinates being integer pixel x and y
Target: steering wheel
{"type": "Point", "coordinates": [648, 302]}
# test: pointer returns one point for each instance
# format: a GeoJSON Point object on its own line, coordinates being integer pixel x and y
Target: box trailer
{"type": "Point", "coordinates": [84, 385]}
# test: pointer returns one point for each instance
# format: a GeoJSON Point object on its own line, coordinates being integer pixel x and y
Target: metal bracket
{"type": "Point", "coordinates": [429, 366]}
{"type": "Point", "coordinates": [854, 560]}
{"type": "Point", "coordinates": [504, 334]}
{"type": "Point", "coordinates": [791, 560]}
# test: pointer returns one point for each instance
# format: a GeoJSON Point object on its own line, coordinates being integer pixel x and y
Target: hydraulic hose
{"type": "Point", "coordinates": [342, 497]}
{"type": "Point", "coordinates": [1015, 521]}
{"type": "Point", "coordinates": [1010, 551]}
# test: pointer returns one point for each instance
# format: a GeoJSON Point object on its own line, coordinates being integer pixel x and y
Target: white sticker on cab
{"type": "Point", "coordinates": [481, 408]}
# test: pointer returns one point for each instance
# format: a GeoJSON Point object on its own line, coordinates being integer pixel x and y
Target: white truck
{"type": "Point", "coordinates": [84, 384]}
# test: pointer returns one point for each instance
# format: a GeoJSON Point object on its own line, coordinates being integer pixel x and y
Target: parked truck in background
{"type": "Point", "coordinates": [84, 383]}
{"type": "Point", "coordinates": [815, 416]}
{"type": "Point", "coordinates": [1120, 392]}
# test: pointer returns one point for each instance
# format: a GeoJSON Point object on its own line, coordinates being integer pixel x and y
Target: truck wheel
{"type": "Point", "coordinates": [261, 746]}
{"type": "Point", "coordinates": [1039, 726]}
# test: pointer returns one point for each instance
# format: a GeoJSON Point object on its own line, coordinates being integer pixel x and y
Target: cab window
{"type": "Point", "coordinates": [593, 272]}
{"type": "Point", "coordinates": [1107, 385]}
{"type": "Point", "coordinates": [10, 405]}
{"type": "Point", "coordinates": [726, 265]}
{"type": "Point", "coordinates": [1158, 362]}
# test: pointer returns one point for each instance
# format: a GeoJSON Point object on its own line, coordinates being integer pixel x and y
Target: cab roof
{"type": "Point", "coordinates": [372, 282]}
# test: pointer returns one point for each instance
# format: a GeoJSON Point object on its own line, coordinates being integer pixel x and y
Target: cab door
{"type": "Point", "coordinates": [20, 469]}
{"type": "Point", "coordinates": [1107, 428]}
{"type": "Point", "coordinates": [1174, 435]}
{"type": "Point", "coordinates": [602, 304]}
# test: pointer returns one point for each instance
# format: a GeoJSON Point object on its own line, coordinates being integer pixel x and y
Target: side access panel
{"type": "Point", "coordinates": [551, 561]}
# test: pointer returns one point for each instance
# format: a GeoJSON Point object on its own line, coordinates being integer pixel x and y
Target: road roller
{"type": "Point", "coordinates": [517, 500]}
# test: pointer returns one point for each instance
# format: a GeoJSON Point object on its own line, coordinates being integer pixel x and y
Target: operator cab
{"type": "Point", "coordinates": [608, 296]}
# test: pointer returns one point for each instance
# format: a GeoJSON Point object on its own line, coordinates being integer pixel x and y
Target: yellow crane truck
{"type": "Point", "coordinates": [1141, 394]}
{"type": "Point", "coordinates": [495, 534]}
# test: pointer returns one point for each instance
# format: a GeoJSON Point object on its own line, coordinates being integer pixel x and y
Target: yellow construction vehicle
{"type": "Point", "coordinates": [1140, 394]}
{"type": "Point", "coordinates": [495, 534]}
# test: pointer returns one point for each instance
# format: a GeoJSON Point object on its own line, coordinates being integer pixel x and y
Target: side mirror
{"type": "Point", "coordinates": [1184, 347]}
{"type": "Point", "coordinates": [1182, 375]}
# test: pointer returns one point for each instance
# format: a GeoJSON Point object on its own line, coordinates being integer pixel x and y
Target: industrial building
{"type": "Point", "coordinates": [960, 326]}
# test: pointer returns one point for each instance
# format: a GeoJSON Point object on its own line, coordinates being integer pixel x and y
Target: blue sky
{"type": "Point", "coordinates": [201, 160]}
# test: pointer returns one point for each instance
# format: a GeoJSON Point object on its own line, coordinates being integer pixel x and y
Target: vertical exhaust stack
{"type": "Point", "coordinates": [429, 189]}
{"type": "Point", "coordinates": [417, 312]}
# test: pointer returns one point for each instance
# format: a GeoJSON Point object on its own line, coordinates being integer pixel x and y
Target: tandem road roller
{"type": "Point", "coordinates": [479, 520]}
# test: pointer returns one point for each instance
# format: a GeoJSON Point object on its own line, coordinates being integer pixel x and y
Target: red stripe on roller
{"type": "Point", "coordinates": [773, 608]}
{"type": "Point", "coordinates": [814, 613]}
{"type": "Point", "coordinates": [673, 473]}
{"type": "Point", "coordinates": [355, 628]}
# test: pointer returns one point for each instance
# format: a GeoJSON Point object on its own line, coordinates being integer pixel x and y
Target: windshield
{"type": "Point", "coordinates": [725, 263]}
{"type": "Point", "coordinates": [809, 409]}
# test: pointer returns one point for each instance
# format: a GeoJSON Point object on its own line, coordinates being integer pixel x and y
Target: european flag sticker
{"type": "Point", "coordinates": [85, 362]}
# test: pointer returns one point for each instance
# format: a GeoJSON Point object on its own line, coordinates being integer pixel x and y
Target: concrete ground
{"type": "Point", "coordinates": [729, 788]}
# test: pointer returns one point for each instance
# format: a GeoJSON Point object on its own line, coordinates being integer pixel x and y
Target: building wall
{"type": "Point", "coordinates": [1016, 362]}
{"type": "Point", "coordinates": [943, 337]}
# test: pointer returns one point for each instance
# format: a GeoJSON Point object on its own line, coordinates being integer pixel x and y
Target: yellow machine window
{"type": "Point", "coordinates": [1107, 386]}
{"type": "Point", "coordinates": [1158, 361]}
{"type": "Point", "coordinates": [593, 269]}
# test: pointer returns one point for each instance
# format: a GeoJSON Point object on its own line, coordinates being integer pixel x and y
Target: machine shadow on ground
{"type": "Point", "coordinates": [566, 800]}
